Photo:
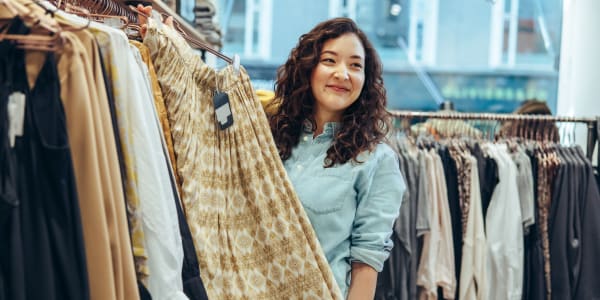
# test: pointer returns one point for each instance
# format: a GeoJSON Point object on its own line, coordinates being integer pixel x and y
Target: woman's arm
{"type": "Point", "coordinates": [378, 205]}
{"type": "Point", "coordinates": [362, 282]}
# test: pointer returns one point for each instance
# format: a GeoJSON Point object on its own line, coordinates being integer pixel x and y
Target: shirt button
{"type": "Point", "coordinates": [306, 138]}
{"type": "Point", "coordinates": [299, 167]}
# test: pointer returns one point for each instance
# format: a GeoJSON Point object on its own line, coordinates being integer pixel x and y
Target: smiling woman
{"type": "Point", "coordinates": [338, 78]}
{"type": "Point", "coordinates": [364, 122]}
{"type": "Point", "coordinates": [329, 128]}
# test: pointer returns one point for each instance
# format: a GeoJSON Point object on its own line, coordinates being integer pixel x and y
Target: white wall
{"type": "Point", "coordinates": [579, 72]}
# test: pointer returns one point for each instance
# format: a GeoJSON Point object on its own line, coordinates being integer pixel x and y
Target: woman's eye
{"type": "Point", "coordinates": [328, 60]}
{"type": "Point", "coordinates": [357, 66]}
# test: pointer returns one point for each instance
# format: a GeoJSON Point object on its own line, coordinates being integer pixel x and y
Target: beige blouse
{"type": "Point", "coordinates": [436, 267]}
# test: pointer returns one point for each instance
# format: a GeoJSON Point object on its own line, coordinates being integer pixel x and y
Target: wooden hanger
{"type": "Point", "coordinates": [47, 36]}
{"type": "Point", "coordinates": [11, 9]}
{"type": "Point", "coordinates": [31, 17]}
{"type": "Point", "coordinates": [115, 21]}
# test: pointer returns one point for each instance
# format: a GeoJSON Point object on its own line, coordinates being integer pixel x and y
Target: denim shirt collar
{"type": "Point", "coordinates": [329, 128]}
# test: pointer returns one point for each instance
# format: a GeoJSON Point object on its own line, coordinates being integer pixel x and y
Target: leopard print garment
{"type": "Point", "coordinates": [252, 236]}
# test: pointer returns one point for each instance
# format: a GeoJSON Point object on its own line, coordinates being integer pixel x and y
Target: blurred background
{"type": "Point", "coordinates": [481, 55]}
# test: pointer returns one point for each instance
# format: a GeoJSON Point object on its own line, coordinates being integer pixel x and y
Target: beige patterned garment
{"type": "Point", "coordinates": [252, 236]}
{"type": "Point", "coordinates": [463, 168]}
{"type": "Point", "coordinates": [548, 163]}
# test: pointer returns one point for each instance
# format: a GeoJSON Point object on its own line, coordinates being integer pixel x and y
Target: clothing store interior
{"type": "Point", "coordinates": [484, 184]}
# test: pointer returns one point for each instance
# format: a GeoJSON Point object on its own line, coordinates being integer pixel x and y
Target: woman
{"type": "Point", "coordinates": [329, 128]}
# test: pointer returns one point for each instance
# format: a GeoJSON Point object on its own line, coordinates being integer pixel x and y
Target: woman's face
{"type": "Point", "coordinates": [338, 78]}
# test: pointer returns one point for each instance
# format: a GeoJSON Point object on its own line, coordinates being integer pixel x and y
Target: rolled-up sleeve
{"type": "Point", "coordinates": [379, 198]}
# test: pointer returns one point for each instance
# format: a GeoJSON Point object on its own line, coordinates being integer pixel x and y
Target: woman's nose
{"type": "Point", "coordinates": [341, 73]}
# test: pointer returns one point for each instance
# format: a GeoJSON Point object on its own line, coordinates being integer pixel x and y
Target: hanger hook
{"type": "Point", "coordinates": [494, 128]}
{"type": "Point", "coordinates": [574, 135]}
{"type": "Point", "coordinates": [546, 131]}
{"type": "Point", "coordinates": [535, 132]}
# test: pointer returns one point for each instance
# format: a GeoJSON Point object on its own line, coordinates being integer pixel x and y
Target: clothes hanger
{"type": "Point", "coordinates": [66, 20]}
{"type": "Point", "coordinates": [188, 33]}
{"type": "Point", "coordinates": [34, 41]}
{"type": "Point", "coordinates": [115, 21]}
{"type": "Point", "coordinates": [534, 130]}
{"type": "Point", "coordinates": [12, 10]}
{"type": "Point", "coordinates": [556, 135]}
{"type": "Point", "coordinates": [97, 11]}
{"type": "Point", "coordinates": [81, 12]}
{"type": "Point", "coordinates": [513, 128]}
{"type": "Point", "coordinates": [494, 130]}
{"type": "Point", "coordinates": [47, 38]}
{"type": "Point", "coordinates": [33, 18]}
{"type": "Point", "coordinates": [101, 11]}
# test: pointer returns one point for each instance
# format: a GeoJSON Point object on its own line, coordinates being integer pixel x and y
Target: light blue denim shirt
{"type": "Point", "coordinates": [352, 207]}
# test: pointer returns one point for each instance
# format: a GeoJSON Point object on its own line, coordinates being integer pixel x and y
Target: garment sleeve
{"type": "Point", "coordinates": [378, 206]}
{"type": "Point", "coordinates": [424, 197]}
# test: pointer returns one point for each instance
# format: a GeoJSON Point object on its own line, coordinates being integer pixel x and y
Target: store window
{"type": "Point", "coordinates": [483, 55]}
{"type": "Point", "coordinates": [526, 33]}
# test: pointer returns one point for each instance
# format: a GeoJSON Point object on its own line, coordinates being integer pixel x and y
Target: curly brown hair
{"type": "Point", "coordinates": [364, 124]}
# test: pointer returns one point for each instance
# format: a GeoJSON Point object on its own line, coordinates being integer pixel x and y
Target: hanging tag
{"type": "Point", "coordinates": [222, 110]}
{"type": "Point", "coordinates": [16, 116]}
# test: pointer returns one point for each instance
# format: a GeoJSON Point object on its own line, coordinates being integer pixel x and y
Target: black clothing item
{"type": "Point", "coordinates": [565, 227]}
{"type": "Point", "coordinates": [193, 287]}
{"type": "Point", "coordinates": [597, 142]}
{"type": "Point", "coordinates": [587, 286]}
{"type": "Point", "coordinates": [488, 176]}
{"type": "Point", "coordinates": [12, 276]}
{"type": "Point", "coordinates": [144, 293]}
{"type": "Point", "coordinates": [534, 284]}
{"type": "Point", "coordinates": [451, 175]}
{"type": "Point", "coordinates": [53, 258]}
{"type": "Point", "coordinates": [388, 285]}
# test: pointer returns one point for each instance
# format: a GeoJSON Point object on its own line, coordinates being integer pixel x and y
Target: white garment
{"type": "Point", "coordinates": [436, 267]}
{"type": "Point", "coordinates": [504, 231]}
{"type": "Point", "coordinates": [424, 200]}
{"type": "Point", "coordinates": [473, 283]}
{"type": "Point", "coordinates": [142, 147]}
{"type": "Point", "coordinates": [525, 185]}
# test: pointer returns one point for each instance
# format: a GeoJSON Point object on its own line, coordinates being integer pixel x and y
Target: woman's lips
{"type": "Point", "coordinates": [339, 89]}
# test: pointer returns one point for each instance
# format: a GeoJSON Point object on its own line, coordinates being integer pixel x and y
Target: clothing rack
{"type": "Point", "coordinates": [592, 126]}
{"type": "Point", "coordinates": [123, 8]}
{"type": "Point", "coordinates": [194, 38]}
{"type": "Point", "coordinates": [106, 7]}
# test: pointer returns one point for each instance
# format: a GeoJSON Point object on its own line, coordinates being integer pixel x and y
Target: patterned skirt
{"type": "Point", "coordinates": [252, 236]}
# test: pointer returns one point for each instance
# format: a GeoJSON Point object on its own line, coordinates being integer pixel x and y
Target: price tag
{"type": "Point", "coordinates": [16, 116]}
{"type": "Point", "coordinates": [223, 110]}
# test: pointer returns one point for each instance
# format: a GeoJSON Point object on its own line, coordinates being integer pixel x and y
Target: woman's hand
{"type": "Point", "coordinates": [147, 11]}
